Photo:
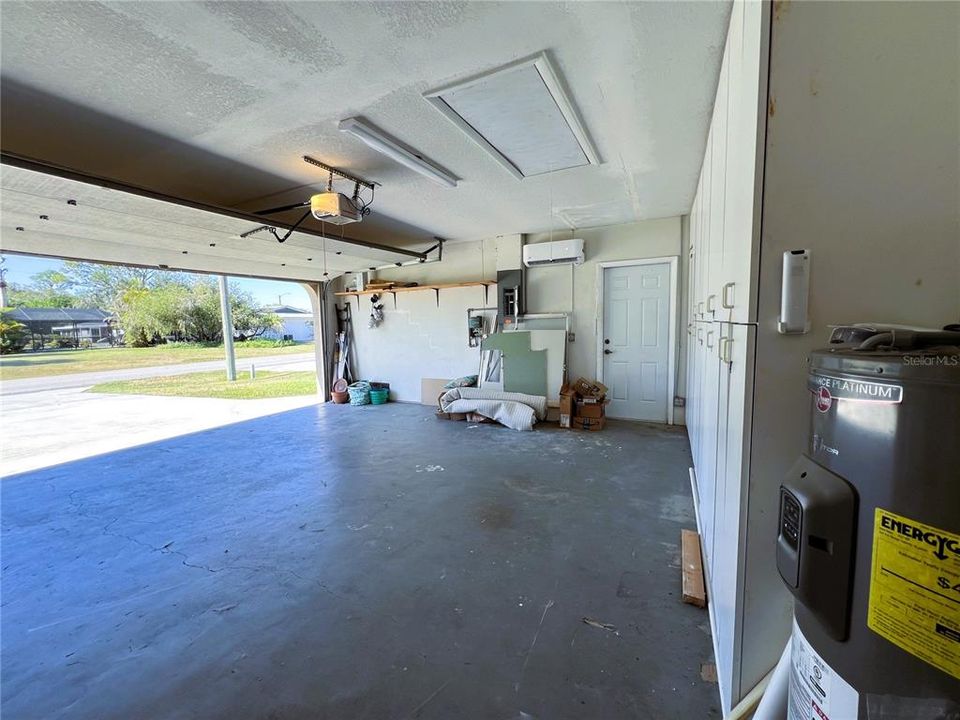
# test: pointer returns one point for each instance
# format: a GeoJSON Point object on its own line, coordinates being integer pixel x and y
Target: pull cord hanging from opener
{"type": "Point", "coordinates": [323, 232]}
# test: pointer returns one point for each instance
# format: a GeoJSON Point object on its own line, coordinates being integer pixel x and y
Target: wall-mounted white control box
{"type": "Point", "coordinates": [795, 293]}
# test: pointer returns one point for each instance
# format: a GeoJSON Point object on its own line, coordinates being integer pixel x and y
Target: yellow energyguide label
{"type": "Point", "coordinates": [915, 589]}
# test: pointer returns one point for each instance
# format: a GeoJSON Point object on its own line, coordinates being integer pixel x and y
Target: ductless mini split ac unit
{"type": "Point", "coordinates": [559, 252]}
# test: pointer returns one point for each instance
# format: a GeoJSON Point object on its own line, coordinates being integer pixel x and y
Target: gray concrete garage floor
{"type": "Point", "coordinates": [340, 562]}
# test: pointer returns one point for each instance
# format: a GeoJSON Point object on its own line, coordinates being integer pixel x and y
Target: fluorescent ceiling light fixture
{"type": "Point", "coordinates": [395, 150]}
{"type": "Point", "coordinates": [520, 114]}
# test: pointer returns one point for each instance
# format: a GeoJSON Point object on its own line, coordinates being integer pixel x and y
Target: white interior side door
{"type": "Point", "coordinates": [636, 317]}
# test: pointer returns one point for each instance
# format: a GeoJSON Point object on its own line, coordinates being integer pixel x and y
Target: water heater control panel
{"type": "Point", "coordinates": [817, 523]}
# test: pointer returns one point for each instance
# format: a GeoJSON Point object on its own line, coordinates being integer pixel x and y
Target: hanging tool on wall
{"type": "Point", "coordinates": [376, 311]}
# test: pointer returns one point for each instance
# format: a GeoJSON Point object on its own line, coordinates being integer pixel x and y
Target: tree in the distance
{"type": "Point", "coordinates": [147, 316]}
{"type": "Point", "coordinates": [190, 312]}
{"type": "Point", "coordinates": [150, 305]}
{"type": "Point", "coordinates": [21, 296]}
{"type": "Point", "coordinates": [13, 334]}
{"type": "Point", "coordinates": [50, 288]}
{"type": "Point", "coordinates": [104, 286]}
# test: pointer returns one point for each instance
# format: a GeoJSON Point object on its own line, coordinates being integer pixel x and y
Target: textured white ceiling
{"type": "Point", "coordinates": [218, 101]}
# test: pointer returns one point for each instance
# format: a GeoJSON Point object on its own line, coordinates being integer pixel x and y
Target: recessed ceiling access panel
{"type": "Point", "coordinates": [521, 115]}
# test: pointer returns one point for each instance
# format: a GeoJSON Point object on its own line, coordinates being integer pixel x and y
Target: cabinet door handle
{"type": "Point", "coordinates": [700, 308]}
{"type": "Point", "coordinates": [728, 305]}
{"type": "Point", "coordinates": [709, 336]}
{"type": "Point", "coordinates": [723, 350]}
{"type": "Point", "coordinates": [700, 335]}
{"type": "Point", "coordinates": [710, 307]}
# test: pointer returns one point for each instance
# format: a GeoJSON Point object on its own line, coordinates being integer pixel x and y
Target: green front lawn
{"type": "Point", "coordinates": [64, 362]}
{"type": "Point", "coordinates": [215, 385]}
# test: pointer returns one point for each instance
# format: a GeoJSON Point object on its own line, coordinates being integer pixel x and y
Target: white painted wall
{"type": "Point", "coordinates": [418, 339]}
{"type": "Point", "coordinates": [462, 261]}
{"type": "Point", "coordinates": [573, 289]}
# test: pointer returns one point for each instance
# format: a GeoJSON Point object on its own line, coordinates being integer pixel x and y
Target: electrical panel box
{"type": "Point", "coordinates": [510, 296]}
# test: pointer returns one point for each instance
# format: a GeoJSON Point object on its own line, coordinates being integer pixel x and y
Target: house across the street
{"type": "Point", "coordinates": [297, 324]}
{"type": "Point", "coordinates": [75, 324]}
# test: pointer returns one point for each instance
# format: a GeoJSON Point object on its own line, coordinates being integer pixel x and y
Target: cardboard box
{"type": "Point", "coordinates": [590, 389]}
{"type": "Point", "coordinates": [590, 410]}
{"type": "Point", "coordinates": [568, 399]}
{"type": "Point", "coordinates": [590, 424]}
{"type": "Point", "coordinates": [451, 416]}
{"type": "Point", "coordinates": [478, 418]}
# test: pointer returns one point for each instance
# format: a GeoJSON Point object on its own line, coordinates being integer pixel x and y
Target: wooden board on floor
{"type": "Point", "coordinates": [694, 591]}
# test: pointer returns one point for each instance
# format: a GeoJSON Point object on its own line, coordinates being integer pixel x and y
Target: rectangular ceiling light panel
{"type": "Point", "coordinates": [520, 114]}
{"type": "Point", "coordinates": [377, 139]}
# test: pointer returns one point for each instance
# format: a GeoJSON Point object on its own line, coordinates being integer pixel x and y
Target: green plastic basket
{"type": "Point", "coordinates": [378, 396]}
{"type": "Point", "coordinates": [359, 393]}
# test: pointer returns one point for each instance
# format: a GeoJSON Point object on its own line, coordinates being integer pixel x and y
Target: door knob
{"type": "Point", "coordinates": [607, 352]}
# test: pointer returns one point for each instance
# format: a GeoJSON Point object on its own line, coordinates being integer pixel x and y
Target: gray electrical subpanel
{"type": "Point", "coordinates": [511, 303]}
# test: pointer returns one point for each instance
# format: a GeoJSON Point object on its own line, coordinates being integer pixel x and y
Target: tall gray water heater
{"type": "Point", "coordinates": [869, 530]}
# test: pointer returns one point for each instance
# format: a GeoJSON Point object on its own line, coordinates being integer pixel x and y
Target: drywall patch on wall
{"type": "Point", "coordinates": [526, 373]}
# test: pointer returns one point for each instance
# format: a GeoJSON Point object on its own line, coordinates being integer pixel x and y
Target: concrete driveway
{"type": "Point", "coordinates": [300, 361]}
{"type": "Point", "coordinates": [41, 429]}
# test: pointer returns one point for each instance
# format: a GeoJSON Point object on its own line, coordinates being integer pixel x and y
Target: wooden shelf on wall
{"type": "Point", "coordinates": [436, 288]}
{"type": "Point", "coordinates": [443, 286]}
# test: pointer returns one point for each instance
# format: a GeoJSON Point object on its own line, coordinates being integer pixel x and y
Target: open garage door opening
{"type": "Point", "coordinates": [100, 357]}
{"type": "Point", "coordinates": [157, 316]}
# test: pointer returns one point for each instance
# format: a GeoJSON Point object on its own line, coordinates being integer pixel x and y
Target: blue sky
{"type": "Point", "coordinates": [20, 268]}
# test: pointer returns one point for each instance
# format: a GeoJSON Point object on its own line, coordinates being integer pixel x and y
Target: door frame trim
{"type": "Point", "coordinates": [672, 261]}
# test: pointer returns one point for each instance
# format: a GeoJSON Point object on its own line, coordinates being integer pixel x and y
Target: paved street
{"type": "Point", "coordinates": [300, 361]}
